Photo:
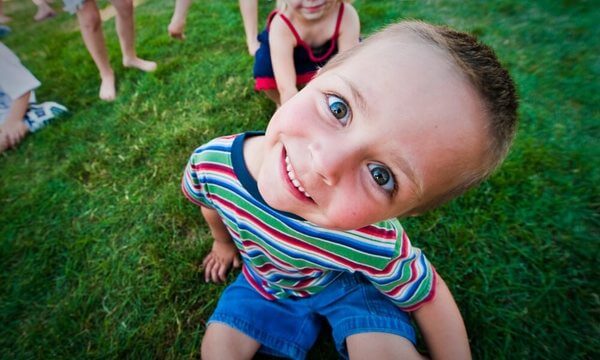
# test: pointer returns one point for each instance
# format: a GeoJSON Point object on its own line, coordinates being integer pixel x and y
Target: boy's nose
{"type": "Point", "coordinates": [328, 160]}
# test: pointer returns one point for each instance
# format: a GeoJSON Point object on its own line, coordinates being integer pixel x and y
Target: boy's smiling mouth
{"type": "Point", "coordinates": [292, 180]}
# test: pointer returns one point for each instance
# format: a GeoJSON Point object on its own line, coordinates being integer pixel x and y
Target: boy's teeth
{"type": "Point", "coordinates": [292, 176]}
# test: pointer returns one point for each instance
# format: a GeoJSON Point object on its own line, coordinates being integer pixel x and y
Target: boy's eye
{"type": "Point", "coordinates": [382, 176]}
{"type": "Point", "coordinates": [339, 109]}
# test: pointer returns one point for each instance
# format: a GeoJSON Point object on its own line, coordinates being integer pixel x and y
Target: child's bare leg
{"type": "Point", "coordinates": [126, 32]}
{"type": "Point", "coordinates": [223, 342]}
{"type": "Point", "coordinates": [90, 25]}
{"type": "Point", "coordinates": [177, 24]}
{"type": "Point", "coordinates": [381, 346]}
{"type": "Point", "coordinates": [273, 94]}
{"type": "Point", "coordinates": [3, 18]}
{"type": "Point", "coordinates": [44, 11]}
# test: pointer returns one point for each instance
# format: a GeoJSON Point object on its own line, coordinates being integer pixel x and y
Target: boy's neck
{"type": "Point", "coordinates": [254, 154]}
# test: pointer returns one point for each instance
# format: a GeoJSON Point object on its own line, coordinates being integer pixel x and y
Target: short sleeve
{"type": "Point", "coordinates": [193, 184]}
{"type": "Point", "coordinates": [408, 279]}
{"type": "Point", "coordinates": [15, 79]}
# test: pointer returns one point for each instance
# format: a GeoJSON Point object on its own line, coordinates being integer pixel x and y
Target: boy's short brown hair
{"type": "Point", "coordinates": [489, 78]}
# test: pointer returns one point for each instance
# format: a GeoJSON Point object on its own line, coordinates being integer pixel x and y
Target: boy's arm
{"type": "Point", "coordinates": [14, 128]}
{"type": "Point", "coordinates": [442, 326]}
{"type": "Point", "coordinates": [223, 254]}
{"type": "Point", "coordinates": [281, 43]}
{"type": "Point", "coordinates": [349, 29]}
{"type": "Point", "coordinates": [249, 10]}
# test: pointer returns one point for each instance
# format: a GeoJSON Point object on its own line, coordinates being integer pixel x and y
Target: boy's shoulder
{"type": "Point", "coordinates": [222, 142]}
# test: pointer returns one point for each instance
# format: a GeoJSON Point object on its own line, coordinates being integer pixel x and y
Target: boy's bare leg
{"type": "Point", "coordinates": [223, 342]}
{"type": "Point", "coordinates": [90, 25]}
{"type": "Point", "coordinates": [381, 346]}
{"type": "Point", "coordinates": [44, 11]}
{"type": "Point", "coordinates": [177, 24]}
{"type": "Point", "coordinates": [126, 32]}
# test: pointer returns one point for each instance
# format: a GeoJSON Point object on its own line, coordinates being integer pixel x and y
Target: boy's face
{"type": "Point", "coordinates": [373, 138]}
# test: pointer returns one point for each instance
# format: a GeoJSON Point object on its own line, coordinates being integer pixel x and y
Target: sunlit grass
{"type": "Point", "coordinates": [100, 252]}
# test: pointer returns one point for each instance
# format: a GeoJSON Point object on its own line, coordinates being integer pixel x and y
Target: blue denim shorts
{"type": "Point", "coordinates": [289, 327]}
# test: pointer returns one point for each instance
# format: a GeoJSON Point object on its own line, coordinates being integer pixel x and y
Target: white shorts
{"type": "Point", "coordinates": [71, 6]}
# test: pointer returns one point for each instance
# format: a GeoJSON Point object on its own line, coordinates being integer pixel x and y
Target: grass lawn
{"type": "Point", "coordinates": [100, 253]}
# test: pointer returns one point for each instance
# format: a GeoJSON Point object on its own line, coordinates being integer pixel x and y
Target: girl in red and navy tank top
{"type": "Point", "coordinates": [301, 36]}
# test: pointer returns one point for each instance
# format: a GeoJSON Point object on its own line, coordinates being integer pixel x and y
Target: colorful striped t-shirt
{"type": "Point", "coordinates": [284, 255]}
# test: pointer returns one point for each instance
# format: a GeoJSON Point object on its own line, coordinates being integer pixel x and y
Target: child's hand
{"type": "Point", "coordinates": [11, 133]}
{"type": "Point", "coordinates": [219, 260]}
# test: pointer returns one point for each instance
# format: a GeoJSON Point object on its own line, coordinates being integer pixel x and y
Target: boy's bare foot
{"type": "Point", "coordinates": [107, 88]}
{"type": "Point", "coordinates": [144, 65]}
{"type": "Point", "coordinates": [43, 14]}
{"type": "Point", "coordinates": [176, 30]}
{"type": "Point", "coordinates": [4, 19]}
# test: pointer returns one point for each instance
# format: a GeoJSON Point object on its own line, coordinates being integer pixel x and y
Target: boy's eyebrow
{"type": "Point", "coordinates": [356, 95]}
{"type": "Point", "coordinates": [407, 169]}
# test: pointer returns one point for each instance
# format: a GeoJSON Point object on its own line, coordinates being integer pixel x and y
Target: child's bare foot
{"type": "Point", "coordinates": [144, 65]}
{"type": "Point", "coordinates": [4, 19]}
{"type": "Point", "coordinates": [107, 88]}
{"type": "Point", "coordinates": [43, 14]}
{"type": "Point", "coordinates": [176, 30]}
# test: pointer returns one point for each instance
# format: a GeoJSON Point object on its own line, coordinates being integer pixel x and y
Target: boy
{"type": "Point", "coordinates": [19, 114]}
{"type": "Point", "coordinates": [411, 117]}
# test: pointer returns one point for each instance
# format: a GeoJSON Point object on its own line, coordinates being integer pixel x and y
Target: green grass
{"type": "Point", "coordinates": [100, 252]}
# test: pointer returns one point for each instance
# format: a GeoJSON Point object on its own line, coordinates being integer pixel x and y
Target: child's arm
{"type": "Point", "coordinates": [281, 43]}
{"type": "Point", "coordinates": [249, 10]}
{"type": "Point", "coordinates": [223, 254]}
{"type": "Point", "coordinates": [442, 326]}
{"type": "Point", "coordinates": [14, 128]}
{"type": "Point", "coordinates": [349, 28]}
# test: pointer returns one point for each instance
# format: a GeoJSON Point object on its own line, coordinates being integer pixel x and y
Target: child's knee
{"type": "Point", "coordinates": [124, 7]}
{"type": "Point", "coordinates": [89, 20]}
{"type": "Point", "coordinates": [223, 342]}
{"type": "Point", "coordinates": [380, 346]}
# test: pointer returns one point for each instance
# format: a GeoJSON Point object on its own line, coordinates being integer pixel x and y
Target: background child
{"type": "Point", "coordinates": [177, 24]}
{"type": "Point", "coordinates": [301, 36]}
{"type": "Point", "coordinates": [3, 18]}
{"type": "Point", "coordinates": [412, 117]}
{"type": "Point", "coordinates": [249, 11]}
{"type": "Point", "coordinates": [19, 114]}
{"type": "Point", "coordinates": [44, 11]}
{"type": "Point", "coordinates": [90, 25]}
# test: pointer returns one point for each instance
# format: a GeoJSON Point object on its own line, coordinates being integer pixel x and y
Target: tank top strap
{"type": "Point", "coordinates": [333, 44]}
{"type": "Point", "coordinates": [338, 21]}
{"type": "Point", "coordinates": [292, 28]}
{"type": "Point", "coordinates": [270, 18]}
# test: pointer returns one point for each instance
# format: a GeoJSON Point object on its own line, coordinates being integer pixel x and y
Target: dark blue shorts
{"type": "Point", "coordinates": [289, 327]}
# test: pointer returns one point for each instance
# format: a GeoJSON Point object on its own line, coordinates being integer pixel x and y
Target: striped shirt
{"type": "Point", "coordinates": [284, 255]}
